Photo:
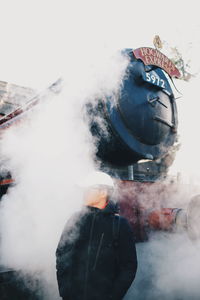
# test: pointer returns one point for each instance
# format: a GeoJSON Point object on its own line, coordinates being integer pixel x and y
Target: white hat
{"type": "Point", "coordinates": [97, 178]}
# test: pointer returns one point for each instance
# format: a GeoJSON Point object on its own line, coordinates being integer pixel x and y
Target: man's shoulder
{"type": "Point", "coordinates": [121, 218]}
{"type": "Point", "coordinates": [124, 223]}
{"type": "Point", "coordinates": [75, 218]}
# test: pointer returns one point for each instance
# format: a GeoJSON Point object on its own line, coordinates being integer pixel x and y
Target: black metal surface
{"type": "Point", "coordinates": [3, 189]}
{"type": "Point", "coordinates": [5, 178]}
{"type": "Point", "coordinates": [17, 286]}
{"type": "Point", "coordinates": [139, 122]}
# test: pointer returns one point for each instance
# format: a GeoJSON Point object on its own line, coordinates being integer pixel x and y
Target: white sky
{"type": "Point", "coordinates": [39, 36]}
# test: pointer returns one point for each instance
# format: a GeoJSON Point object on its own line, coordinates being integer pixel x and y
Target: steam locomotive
{"type": "Point", "coordinates": [139, 144]}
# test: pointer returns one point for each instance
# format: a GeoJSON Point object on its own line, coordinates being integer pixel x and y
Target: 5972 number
{"type": "Point", "coordinates": [155, 80]}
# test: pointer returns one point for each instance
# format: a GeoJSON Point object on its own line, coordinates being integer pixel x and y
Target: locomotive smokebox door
{"type": "Point", "coordinates": [140, 121]}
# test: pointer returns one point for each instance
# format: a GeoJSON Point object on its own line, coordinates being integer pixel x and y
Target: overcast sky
{"type": "Point", "coordinates": [39, 36]}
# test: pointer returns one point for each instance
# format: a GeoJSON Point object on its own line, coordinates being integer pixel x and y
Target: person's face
{"type": "Point", "coordinates": [95, 195]}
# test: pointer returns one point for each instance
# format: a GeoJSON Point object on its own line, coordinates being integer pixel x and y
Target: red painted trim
{"type": "Point", "coordinates": [6, 181]}
{"type": "Point", "coordinates": [151, 56]}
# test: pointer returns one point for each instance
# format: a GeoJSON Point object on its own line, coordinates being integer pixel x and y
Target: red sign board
{"type": "Point", "coordinates": [151, 56]}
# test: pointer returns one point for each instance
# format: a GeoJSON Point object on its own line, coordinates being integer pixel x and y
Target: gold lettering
{"type": "Point", "coordinates": [147, 59]}
{"type": "Point", "coordinates": [152, 56]}
{"type": "Point", "coordinates": [165, 65]}
{"type": "Point", "coordinates": [171, 70]}
{"type": "Point", "coordinates": [155, 60]}
{"type": "Point", "coordinates": [145, 51]}
{"type": "Point", "coordinates": [151, 51]}
{"type": "Point", "coordinates": [142, 51]}
{"type": "Point", "coordinates": [152, 60]}
{"type": "Point", "coordinates": [158, 54]}
{"type": "Point", "coordinates": [172, 67]}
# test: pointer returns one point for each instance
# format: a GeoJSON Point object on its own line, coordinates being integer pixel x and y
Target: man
{"type": "Point", "coordinates": [96, 256]}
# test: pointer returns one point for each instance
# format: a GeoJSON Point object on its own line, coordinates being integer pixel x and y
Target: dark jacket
{"type": "Point", "coordinates": [96, 258]}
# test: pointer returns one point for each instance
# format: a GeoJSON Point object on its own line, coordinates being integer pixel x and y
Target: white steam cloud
{"type": "Point", "coordinates": [51, 150]}
{"type": "Point", "coordinates": [48, 154]}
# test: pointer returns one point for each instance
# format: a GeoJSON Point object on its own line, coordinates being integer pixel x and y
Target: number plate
{"type": "Point", "coordinates": [153, 78]}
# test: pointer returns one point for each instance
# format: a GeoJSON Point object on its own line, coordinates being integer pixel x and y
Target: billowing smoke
{"type": "Point", "coordinates": [51, 150]}
{"type": "Point", "coordinates": [169, 263]}
{"type": "Point", "coordinates": [169, 268]}
{"type": "Point", "coordinates": [48, 154]}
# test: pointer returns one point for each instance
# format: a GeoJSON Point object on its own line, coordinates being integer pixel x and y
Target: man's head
{"type": "Point", "coordinates": [98, 188]}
